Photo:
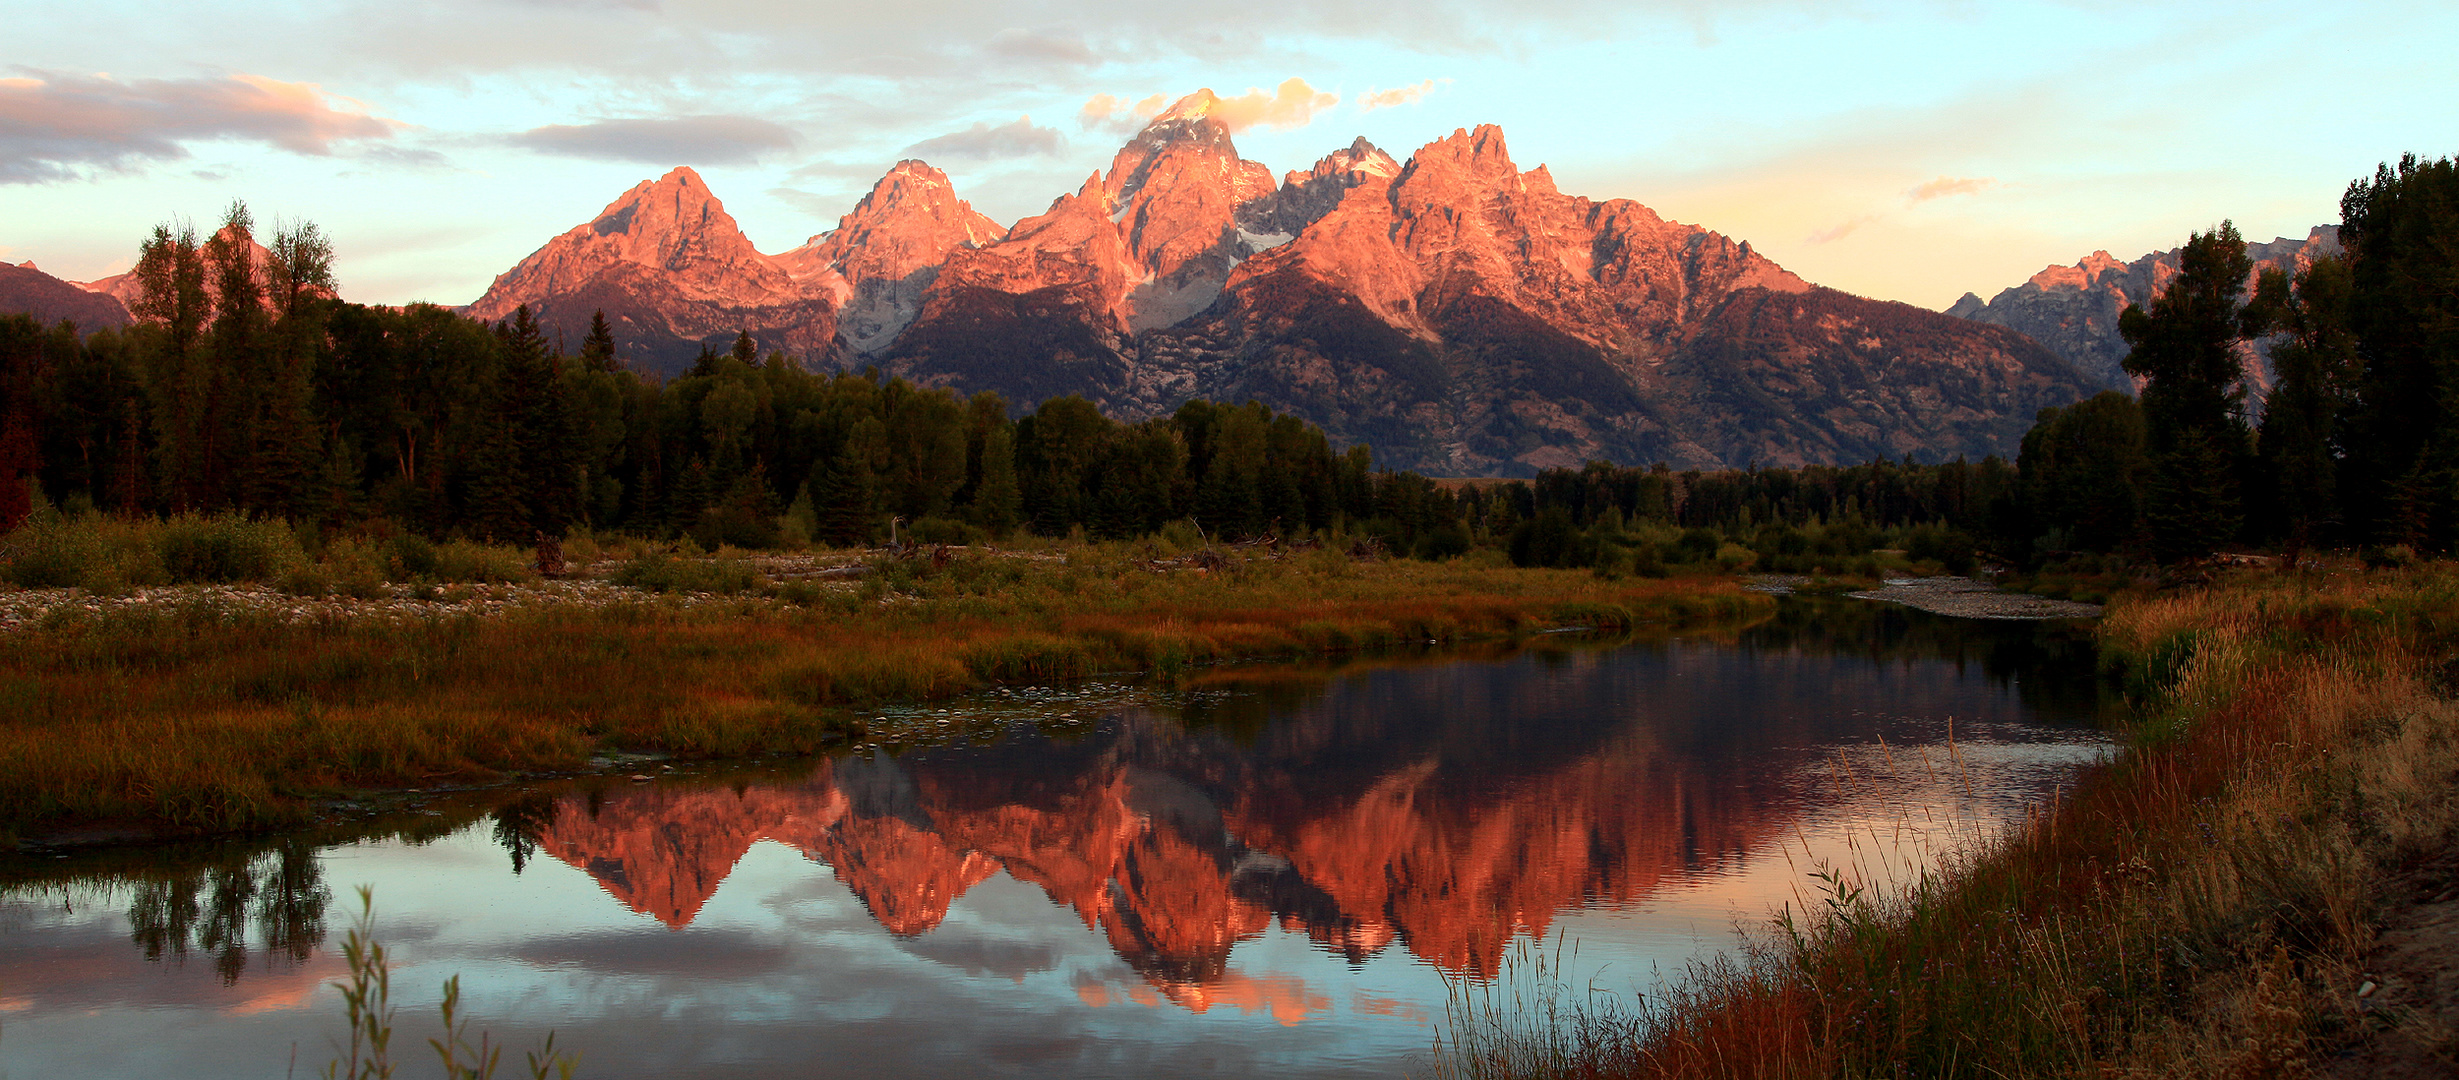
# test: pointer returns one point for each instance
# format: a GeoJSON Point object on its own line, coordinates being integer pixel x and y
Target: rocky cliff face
{"type": "Point", "coordinates": [1467, 317]}
{"type": "Point", "coordinates": [672, 272]}
{"type": "Point", "coordinates": [880, 258]}
{"type": "Point", "coordinates": [1457, 313]}
{"type": "Point", "coordinates": [29, 291]}
{"type": "Point", "coordinates": [2074, 309]}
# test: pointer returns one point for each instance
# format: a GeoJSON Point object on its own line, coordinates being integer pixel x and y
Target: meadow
{"type": "Point", "coordinates": [205, 674]}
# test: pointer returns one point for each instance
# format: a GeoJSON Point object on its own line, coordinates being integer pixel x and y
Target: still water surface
{"type": "Point", "coordinates": [1266, 871]}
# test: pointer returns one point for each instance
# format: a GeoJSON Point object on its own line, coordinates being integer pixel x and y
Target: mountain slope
{"type": "Point", "coordinates": [24, 289]}
{"type": "Point", "coordinates": [1455, 312]}
{"type": "Point", "coordinates": [673, 273]}
{"type": "Point", "coordinates": [1467, 317]}
{"type": "Point", "coordinates": [2074, 309]}
{"type": "Point", "coordinates": [883, 254]}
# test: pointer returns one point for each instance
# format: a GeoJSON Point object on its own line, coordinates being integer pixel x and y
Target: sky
{"type": "Point", "coordinates": [1907, 150]}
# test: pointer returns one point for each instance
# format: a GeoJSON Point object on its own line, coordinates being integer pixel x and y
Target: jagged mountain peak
{"type": "Point", "coordinates": [1190, 120]}
{"type": "Point", "coordinates": [881, 256]}
{"type": "Point", "coordinates": [1359, 158]}
{"type": "Point", "coordinates": [672, 271]}
{"type": "Point", "coordinates": [1477, 154]}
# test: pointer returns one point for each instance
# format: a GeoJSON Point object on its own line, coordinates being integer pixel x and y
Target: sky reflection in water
{"type": "Point", "coordinates": [1267, 871]}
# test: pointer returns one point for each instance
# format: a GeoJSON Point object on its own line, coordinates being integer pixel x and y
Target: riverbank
{"type": "Point", "coordinates": [2258, 886]}
{"type": "Point", "coordinates": [193, 708]}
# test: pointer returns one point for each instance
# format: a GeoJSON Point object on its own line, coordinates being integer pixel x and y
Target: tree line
{"type": "Point", "coordinates": [246, 386]}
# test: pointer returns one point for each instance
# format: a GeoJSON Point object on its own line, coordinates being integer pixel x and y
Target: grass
{"type": "Point", "coordinates": [2198, 908]}
{"type": "Point", "coordinates": [210, 714]}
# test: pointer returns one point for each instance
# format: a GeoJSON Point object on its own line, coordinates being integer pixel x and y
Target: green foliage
{"type": "Point", "coordinates": [2401, 228]}
{"type": "Point", "coordinates": [481, 564]}
{"type": "Point", "coordinates": [2185, 350]}
{"type": "Point", "coordinates": [226, 548]}
{"type": "Point", "coordinates": [657, 571]}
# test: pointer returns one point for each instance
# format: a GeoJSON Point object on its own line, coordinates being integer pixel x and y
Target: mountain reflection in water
{"type": "Point", "coordinates": [1303, 848]}
{"type": "Point", "coordinates": [1446, 809]}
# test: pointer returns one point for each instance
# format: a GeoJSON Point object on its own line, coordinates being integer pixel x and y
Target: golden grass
{"type": "Point", "coordinates": [209, 716]}
{"type": "Point", "coordinates": [2197, 909]}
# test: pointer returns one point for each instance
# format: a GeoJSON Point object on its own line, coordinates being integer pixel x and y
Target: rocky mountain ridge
{"type": "Point", "coordinates": [2073, 310]}
{"type": "Point", "coordinates": [1457, 313]}
{"type": "Point", "coordinates": [25, 288]}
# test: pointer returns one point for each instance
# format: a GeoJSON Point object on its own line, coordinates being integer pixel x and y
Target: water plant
{"type": "Point", "coordinates": [368, 1009]}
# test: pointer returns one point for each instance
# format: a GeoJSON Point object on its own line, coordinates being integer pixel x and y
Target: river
{"type": "Point", "coordinates": [1280, 871]}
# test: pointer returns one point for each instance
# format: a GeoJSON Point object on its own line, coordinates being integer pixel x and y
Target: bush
{"type": "Point", "coordinates": [409, 557]}
{"type": "Point", "coordinates": [88, 551]}
{"type": "Point", "coordinates": [462, 560]}
{"type": "Point", "coordinates": [1549, 540]}
{"type": "Point", "coordinates": [656, 571]}
{"type": "Point", "coordinates": [226, 548]}
{"type": "Point", "coordinates": [1697, 545]}
{"type": "Point", "coordinates": [1443, 542]}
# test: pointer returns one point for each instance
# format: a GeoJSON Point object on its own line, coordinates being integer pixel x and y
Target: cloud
{"type": "Point", "coordinates": [1038, 46]}
{"type": "Point", "coordinates": [669, 140]}
{"type": "Point", "coordinates": [1829, 236]}
{"type": "Point", "coordinates": [1948, 185]}
{"type": "Point", "coordinates": [983, 142]}
{"type": "Point", "coordinates": [1293, 105]}
{"type": "Point", "coordinates": [1113, 114]}
{"type": "Point", "coordinates": [1402, 95]}
{"type": "Point", "coordinates": [56, 127]}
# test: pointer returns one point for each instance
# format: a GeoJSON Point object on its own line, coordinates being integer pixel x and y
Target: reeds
{"type": "Point", "coordinates": [2197, 908]}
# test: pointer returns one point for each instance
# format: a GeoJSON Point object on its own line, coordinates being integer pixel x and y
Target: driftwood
{"type": "Point", "coordinates": [550, 555]}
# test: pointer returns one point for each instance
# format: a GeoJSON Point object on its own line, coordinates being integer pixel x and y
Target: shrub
{"type": "Point", "coordinates": [656, 571]}
{"type": "Point", "coordinates": [463, 560]}
{"type": "Point", "coordinates": [226, 548]}
{"type": "Point", "coordinates": [89, 551]}
{"type": "Point", "coordinates": [409, 557]}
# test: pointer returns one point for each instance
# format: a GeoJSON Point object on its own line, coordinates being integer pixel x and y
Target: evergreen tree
{"type": "Point", "coordinates": [2186, 350]}
{"type": "Point", "coordinates": [598, 348]}
{"type": "Point", "coordinates": [2401, 229]}
{"type": "Point", "coordinates": [2081, 475]}
{"type": "Point", "coordinates": [2315, 375]}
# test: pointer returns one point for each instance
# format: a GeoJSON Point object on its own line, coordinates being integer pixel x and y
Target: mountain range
{"type": "Point", "coordinates": [1458, 314]}
{"type": "Point", "coordinates": [2074, 309]}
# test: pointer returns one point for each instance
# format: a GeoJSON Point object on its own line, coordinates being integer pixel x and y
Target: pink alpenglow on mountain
{"type": "Point", "coordinates": [882, 255]}
{"type": "Point", "coordinates": [672, 272]}
{"type": "Point", "coordinates": [1456, 312]}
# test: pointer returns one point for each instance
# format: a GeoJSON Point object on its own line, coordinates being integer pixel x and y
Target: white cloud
{"type": "Point", "coordinates": [57, 127]}
{"type": "Point", "coordinates": [1397, 96]}
{"type": "Point", "coordinates": [1293, 105]}
{"type": "Point", "coordinates": [983, 142]}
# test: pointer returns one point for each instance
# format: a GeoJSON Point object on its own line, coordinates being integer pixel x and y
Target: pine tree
{"type": "Point", "coordinates": [2186, 350]}
{"type": "Point", "coordinates": [2401, 228]}
{"type": "Point", "coordinates": [598, 349]}
{"type": "Point", "coordinates": [2315, 375]}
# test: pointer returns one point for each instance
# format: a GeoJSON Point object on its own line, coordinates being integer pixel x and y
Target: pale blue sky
{"type": "Point", "coordinates": [1907, 151]}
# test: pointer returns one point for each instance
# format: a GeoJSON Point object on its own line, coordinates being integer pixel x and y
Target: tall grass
{"type": "Point", "coordinates": [2198, 908]}
{"type": "Point", "coordinates": [208, 714]}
